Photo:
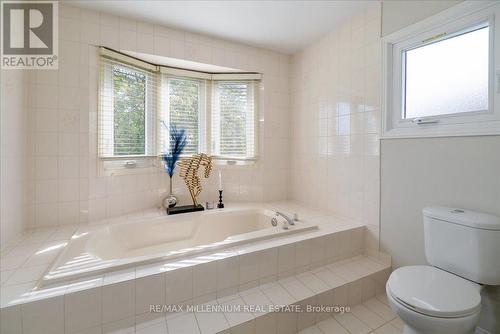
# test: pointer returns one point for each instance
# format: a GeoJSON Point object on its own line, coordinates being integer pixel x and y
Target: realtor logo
{"type": "Point", "coordinates": [29, 34]}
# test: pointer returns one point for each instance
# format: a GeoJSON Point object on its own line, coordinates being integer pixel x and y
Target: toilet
{"type": "Point", "coordinates": [463, 250]}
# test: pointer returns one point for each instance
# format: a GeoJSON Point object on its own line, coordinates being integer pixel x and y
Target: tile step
{"type": "Point", "coordinates": [355, 281]}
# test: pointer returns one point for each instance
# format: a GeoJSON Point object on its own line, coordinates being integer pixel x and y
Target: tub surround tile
{"type": "Point", "coordinates": [278, 295]}
{"type": "Point", "coordinates": [118, 301]}
{"type": "Point", "coordinates": [179, 285]}
{"type": "Point", "coordinates": [210, 323]}
{"type": "Point", "coordinates": [296, 288]}
{"type": "Point", "coordinates": [149, 290]}
{"type": "Point", "coordinates": [87, 284]}
{"type": "Point", "coordinates": [119, 276]}
{"type": "Point", "coordinates": [15, 294]}
{"type": "Point", "coordinates": [228, 273]}
{"type": "Point", "coordinates": [124, 298]}
{"type": "Point", "coordinates": [249, 268]}
{"type": "Point", "coordinates": [286, 322]}
{"type": "Point", "coordinates": [182, 323]}
{"type": "Point", "coordinates": [312, 282]}
{"type": "Point", "coordinates": [204, 279]}
{"type": "Point", "coordinates": [266, 324]}
{"type": "Point", "coordinates": [268, 263]}
{"type": "Point", "coordinates": [10, 320]}
{"type": "Point", "coordinates": [123, 326]}
{"type": "Point", "coordinates": [328, 277]}
{"type": "Point", "coordinates": [129, 292]}
{"type": "Point", "coordinates": [237, 316]}
{"type": "Point", "coordinates": [82, 310]}
{"type": "Point", "coordinates": [128, 274]}
{"type": "Point", "coordinates": [46, 316]}
{"type": "Point", "coordinates": [26, 275]}
{"type": "Point", "coordinates": [256, 297]}
{"type": "Point", "coordinates": [156, 328]}
{"type": "Point", "coordinates": [286, 258]}
{"type": "Point", "coordinates": [4, 276]}
{"type": "Point", "coordinates": [13, 262]}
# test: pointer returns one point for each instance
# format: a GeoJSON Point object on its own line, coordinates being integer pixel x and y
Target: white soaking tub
{"type": "Point", "coordinates": [117, 246]}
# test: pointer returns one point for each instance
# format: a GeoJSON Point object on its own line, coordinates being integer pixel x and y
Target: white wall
{"type": "Point", "coordinates": [68, 188]}
{"type": "Point", "coordinates": [399, 14]}
{"type": "Point", "coordinates": [335, 98]}
{"type": "Point", "coordinates": [14, 173]}
{"type": "Point", "coordinates": [454, 171]}
{"type": "Point", "coordinates": [459, 172]}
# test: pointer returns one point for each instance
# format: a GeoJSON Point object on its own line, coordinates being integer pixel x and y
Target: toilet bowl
{"type": "Point", "coordinates": [444, 297]}
{"type": "Point", "coordinates": [432, 301]}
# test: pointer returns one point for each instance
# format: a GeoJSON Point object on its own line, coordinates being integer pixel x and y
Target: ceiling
{"type": "Point", "coordinates": [284, 26]}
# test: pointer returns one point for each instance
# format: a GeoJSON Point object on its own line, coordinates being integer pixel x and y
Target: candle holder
{"type": "Point", "coordinates": [220, 205]}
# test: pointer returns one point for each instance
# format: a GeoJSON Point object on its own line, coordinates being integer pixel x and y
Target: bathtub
{"type": "Point", "coordinates": [117, 246]}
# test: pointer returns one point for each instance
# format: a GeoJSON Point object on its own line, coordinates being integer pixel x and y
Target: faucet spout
{"type": "Point", "coordinates": [289, 221]}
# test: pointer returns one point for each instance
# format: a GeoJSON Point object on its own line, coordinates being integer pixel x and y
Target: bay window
{"type": "Point", "coordinates": [139, 101]}
{"type": "Point", "coordinates": [233, 119]}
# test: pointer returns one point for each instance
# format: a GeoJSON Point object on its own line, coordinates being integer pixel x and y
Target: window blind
{"type": "Point", "coordinates": [139, 101]}
{"type": "Point", "coordinates": [127, 106]}
{"type": "Point", "coordinates": [233, 119]}
{"type": "Point", "coordinates": [183, 104]}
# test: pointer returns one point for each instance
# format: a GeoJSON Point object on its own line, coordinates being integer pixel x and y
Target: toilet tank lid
{"type": "Point", "coordinates": [464, 217]}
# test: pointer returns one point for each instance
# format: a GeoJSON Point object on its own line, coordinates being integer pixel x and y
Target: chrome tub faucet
{"type": "Point", "coordinates": [288, 221]}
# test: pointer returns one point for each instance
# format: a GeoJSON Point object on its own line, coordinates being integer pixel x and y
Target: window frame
{"type": "Point", "coordinates": [459, 18]}
{"type": "Point", "coordinates": [203, 111]}
{"type": "Point", "coordinates": [247, 158]}
{"type": "Point", "coordinates": [133, 164]}
{"type": "Point", "coordinates": [108, 162]}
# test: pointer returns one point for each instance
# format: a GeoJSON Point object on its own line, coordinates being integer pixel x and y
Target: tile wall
{"type": "Point", "coordinates": [14, 156]}
{"type": "Point", "coordinates": [304, 272]}
{"type": "Point", "coordinates": [335, 122]}
{"type": "Point", "coordinates": [63, 106]}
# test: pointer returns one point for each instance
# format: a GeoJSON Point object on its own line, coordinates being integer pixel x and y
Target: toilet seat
{"type": "Point", "coordinates": [434, 292]}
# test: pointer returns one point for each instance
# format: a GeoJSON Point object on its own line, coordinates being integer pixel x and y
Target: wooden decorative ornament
{"type": "Point", "coordinates": [189, 172]}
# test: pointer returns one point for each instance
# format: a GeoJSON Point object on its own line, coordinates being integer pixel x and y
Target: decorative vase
{"type": "Point", "coordinates": [170, 201]}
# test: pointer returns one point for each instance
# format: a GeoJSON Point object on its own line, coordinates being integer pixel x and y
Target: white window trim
{"type": "Point", "coordinates": [231, 160]}
{"type": "Point", "coordinates": [109, 164]}
{"type": "Point", "coordinates": [149, 162]}
{"type": "Point", "coordinates": [203, 112]}
{"type": "Point", "coordinates": [453, 19]}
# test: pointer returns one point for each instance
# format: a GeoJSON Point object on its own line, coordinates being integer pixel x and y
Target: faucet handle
{"type": "Point", "coordinates": [295, 217]}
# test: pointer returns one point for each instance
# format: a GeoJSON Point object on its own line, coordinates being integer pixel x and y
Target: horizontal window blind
{"type": "Point", "coordinates": [127, 106]}
{"type": "Point", "coordinates": [183, 104]}
{"type": "Point", "coordinates": [140, 101]}
{"type": "Point", "coordinates": [233, 119]}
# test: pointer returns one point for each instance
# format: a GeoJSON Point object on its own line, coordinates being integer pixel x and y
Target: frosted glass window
{"type": "Point", "coordinates": [449, 76]}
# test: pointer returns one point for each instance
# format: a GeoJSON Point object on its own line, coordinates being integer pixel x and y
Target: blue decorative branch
{"type": "Point", "coordinates": [178, 141]}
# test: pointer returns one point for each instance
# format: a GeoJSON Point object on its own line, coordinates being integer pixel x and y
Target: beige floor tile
{"type": "Point", "coordinates": [311, 330]}
{"type": "Point", "coordinates": [352, 324]}
{"type": "Point", "coordinates": [398, 323]}
{"type": "Point", "coordinates": [388, 329]}
{"type": "Point", "coordinates": [331, 326]}
{"type": "Point", "coordinates": [380, 308]}
{"type": "Point", "coordinates": [370, 318]}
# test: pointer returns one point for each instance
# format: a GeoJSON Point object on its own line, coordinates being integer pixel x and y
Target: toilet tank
{"type": "Point", "coordinates": [463, 242]}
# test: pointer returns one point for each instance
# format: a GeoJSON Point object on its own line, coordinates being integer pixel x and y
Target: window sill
{"type": "Point", "coordinates": [229, 162]}
{"type": "Point", "coordinates": [490, 128]}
